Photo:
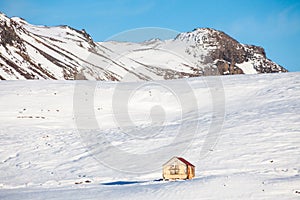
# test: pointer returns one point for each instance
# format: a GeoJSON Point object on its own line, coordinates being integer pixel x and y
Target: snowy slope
{"type": "Point", "coordinates": [49, 143]}
{"type": "Point", "coordinates": [63, 53]}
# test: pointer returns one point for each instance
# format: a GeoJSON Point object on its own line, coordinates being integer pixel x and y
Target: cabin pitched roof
{"type": "Point", "coordinates": [185, 161]}
{"type": "Point", "coordinates": [182, 160]}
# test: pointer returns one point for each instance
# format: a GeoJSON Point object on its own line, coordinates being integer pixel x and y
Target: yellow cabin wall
{"type": "Point", "coordinates": [183, 171]}
{"type": "Point", "coordinates": [182, 174]}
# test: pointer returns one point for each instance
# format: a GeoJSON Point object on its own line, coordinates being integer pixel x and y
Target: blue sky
{"type": "Point", "coordinates": [274, 25]}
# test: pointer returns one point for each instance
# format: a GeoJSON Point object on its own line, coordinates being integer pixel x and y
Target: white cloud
{"type": "Point", "coordinates": [275, 24]}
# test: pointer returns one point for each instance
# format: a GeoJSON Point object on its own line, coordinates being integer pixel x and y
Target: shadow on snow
{"type": "Point", "coordinates": [128, 182]}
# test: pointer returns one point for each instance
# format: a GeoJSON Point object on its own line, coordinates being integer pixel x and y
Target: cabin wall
{"type": "Point", "coordinates": [181, 172]}
{"type": "Point", "coordinates": [191, 172]}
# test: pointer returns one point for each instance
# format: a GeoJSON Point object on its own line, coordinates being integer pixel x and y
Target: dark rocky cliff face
{"type": "Point", "coordinates": [227, 52]}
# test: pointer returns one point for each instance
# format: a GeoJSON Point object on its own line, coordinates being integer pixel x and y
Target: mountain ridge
{"type": "Point", "coordinates": [64, 53]}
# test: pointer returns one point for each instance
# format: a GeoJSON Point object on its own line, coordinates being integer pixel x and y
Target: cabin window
{"type": "Point", "coordinates": [174, 169]}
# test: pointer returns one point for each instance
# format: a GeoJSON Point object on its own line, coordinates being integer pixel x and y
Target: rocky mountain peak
{"type": "Point", "coordinates": [224, 51]}
{"type": "Point", "coordinates": [198, 35]}
{"type": "Point", "coordinates": [8, 34]}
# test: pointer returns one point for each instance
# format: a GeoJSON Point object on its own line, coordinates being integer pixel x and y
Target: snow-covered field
{"type": "Point", "coordinates": [107, 140]}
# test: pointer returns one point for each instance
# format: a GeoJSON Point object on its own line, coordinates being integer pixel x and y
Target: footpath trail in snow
{"type": "Point", "coordinates": [43, 155]}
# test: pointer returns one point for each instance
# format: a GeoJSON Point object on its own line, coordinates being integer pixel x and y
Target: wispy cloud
{"type": "Point", "coordinates": [289, 19]}
{"type": "Point", "coordinates": [275, 24]}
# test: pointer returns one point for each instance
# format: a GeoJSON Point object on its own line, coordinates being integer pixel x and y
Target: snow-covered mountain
{"type": "Point", "coordinates": [40, 52]}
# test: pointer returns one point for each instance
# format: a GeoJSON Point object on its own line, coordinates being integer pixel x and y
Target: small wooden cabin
{"type": "Point", "coordinates": [178, 168]}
